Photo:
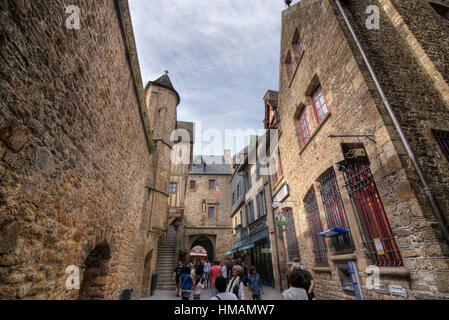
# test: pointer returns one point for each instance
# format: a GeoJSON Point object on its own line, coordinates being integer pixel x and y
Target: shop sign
{"type": "Point", "coordinates": [265, 250]}
{"type": "Point", "coordinates": [355, 153]}
{"type": "Point", "coordinates": [281, 195]}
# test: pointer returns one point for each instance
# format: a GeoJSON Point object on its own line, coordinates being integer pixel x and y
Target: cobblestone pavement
{"type": "Point", "coordinates": [270, 294]}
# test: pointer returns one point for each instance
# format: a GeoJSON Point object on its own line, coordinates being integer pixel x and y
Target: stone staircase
{"type": "Point", "coordinates": [166, 262]}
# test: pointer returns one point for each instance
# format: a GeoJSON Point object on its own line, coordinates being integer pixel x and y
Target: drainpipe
{"type": "Point", "coordinates": [427, 189]}
{"type": "Point", "coordinates": [275, 235]}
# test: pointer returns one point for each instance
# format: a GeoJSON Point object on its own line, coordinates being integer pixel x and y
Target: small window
{"type": "Point", "coordinates": [304, 125]}
{"type": "Point", "coordinates": [443, 140]}
{"type": "Point", "coordinates": [248, 179]}
{"type": "Point", "coordinates": [211, 184]}
{"type": "Point", "coordinates": [289, 65]}
{"type": "Point", "coordinates": [443, 11]}
{"type": "Point", "coordinates": [238, 190]}
{"type": "Point", "coordinates": [319, 103]}
{"type": "Point", "coordinates": [235, 221]}
{"type": "Point", "coordinates": [258, 170]}
{"type": "Point", "coordinates": [173, 187]}
{"type": "Point", "coordinates": [159, 114]}
{"type": "Point", "coordinates": [192, 185]}
{"type": "Point", "coordinates": [241, 217]}
{"type": "Point", "coordinates": [211, 212]}
{"type": "Point", "coordinates": [299, 47]}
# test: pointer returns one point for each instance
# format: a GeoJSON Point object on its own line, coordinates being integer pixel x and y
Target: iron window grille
{"type": "Point", "coordinates": [211, 212]}
{"type": "Point", "coordinates": [336, 213]}
{"type": "Point", "coordinates": [443, 140]}
{"type": "Point", "coordinates": [292, 240]}
{"type": "Point", "coordinates": [315, 225]}
{"type": "Point", "coordinates": [319, 103]}
{"type": "Point", "coordinates": [304, 125]}
{"type": "Point", "coordinates": [372, 220]}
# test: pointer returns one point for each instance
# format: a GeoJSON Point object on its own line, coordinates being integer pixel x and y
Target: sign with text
{"type": "Point", "coordinates": [355, 153]}
{"type": "Point", "coordinates": [281, 195]}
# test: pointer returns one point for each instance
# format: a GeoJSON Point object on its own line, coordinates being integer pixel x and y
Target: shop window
{"type": "Point", "coordinates": [319, 103]}
{"type": "Point", "coordinates": [443, 140]}
{"type": "Point", "coordinates": [304, 125]}
{"type": "Point", "coordinates": [211, 212]}
{"type": "Point", "coordinates": [373, 223]}
{"type": "Point", "coordinates": [315, 226]}
{"type": "Point", "coordinates": [173, 187]}
{"type": "Point", "coordinates": [335, 213]}
{"type": "Point", "coordinates": [443, 11]}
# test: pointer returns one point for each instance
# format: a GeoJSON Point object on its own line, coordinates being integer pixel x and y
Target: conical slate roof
{"type": "Point", "coordinates": [164, 81]}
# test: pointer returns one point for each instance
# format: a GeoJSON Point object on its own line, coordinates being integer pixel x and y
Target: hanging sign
{"type": "Point", "coordinates": [355, 153]}
{"type": "Point", "coordinates": [379, 246]}
{"type": "Point", "coordinates": [281, 220]}
{"type": "Point", "coordinates": [280, 195]}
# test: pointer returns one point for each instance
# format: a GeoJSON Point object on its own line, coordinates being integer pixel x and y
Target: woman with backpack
{"type": "Point", "coordinates": [255, 283]}
{"type": "Point", "coordinates": [186, 283]}
{"type": "Point", "coordinates": [236, 285]}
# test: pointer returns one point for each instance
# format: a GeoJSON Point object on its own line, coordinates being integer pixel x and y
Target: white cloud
{"type": "Point", "coordinates": [222, 55]}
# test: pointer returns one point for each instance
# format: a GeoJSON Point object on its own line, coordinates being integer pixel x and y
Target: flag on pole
{"type": "Point", "coordinates": [218, 192]}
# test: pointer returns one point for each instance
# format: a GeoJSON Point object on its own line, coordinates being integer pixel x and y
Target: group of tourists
{"type": "Point", "coordinates": [233, 281]}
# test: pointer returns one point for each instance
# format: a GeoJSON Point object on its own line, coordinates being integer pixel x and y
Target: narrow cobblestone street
{"type": "Point", "coordinates": [206, 294]}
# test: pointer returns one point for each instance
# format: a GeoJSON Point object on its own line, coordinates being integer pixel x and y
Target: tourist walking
{"type": "Point", "coordinates": [199, 285]}
{"type": "Point", "coordinates": [220, 282]}
{"type": "Point", "coordinates": [255, 283]}
{"type": "Point", "coordinates": [207, 267]}
{"type": "Point", "coordinates": [236, 286]}
{"type": "Point", "coordinates": [307, 276]}
{"type": "Point", "coordinates": [224, 271]}
{"type": "Point", "coordinates": [177, 275]}
{"type": "Point", "coordinates": [214, 273]}
{"type": "Point", "coordinates": [199, 268]}
{"type": "Point", "coordinates": [186, 283]}
{"type": "Point", "coordinates": [297, 289]}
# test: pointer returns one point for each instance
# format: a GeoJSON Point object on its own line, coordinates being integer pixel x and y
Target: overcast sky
{"type": "Point", "coordinates": [222, 55]}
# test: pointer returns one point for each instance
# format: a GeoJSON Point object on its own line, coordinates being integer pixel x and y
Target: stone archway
{"type": "Point", "coordinates": [207, 244]}
{"type": "Point", "coordinates": [95, 278]}
{"type": "Point", "coordinates": [146, 280]}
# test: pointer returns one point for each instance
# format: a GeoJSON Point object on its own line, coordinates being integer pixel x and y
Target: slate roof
{"type": "Point", "coordinates": [164, 81]}
{"type": "Point", "coordinates": [210, 165]}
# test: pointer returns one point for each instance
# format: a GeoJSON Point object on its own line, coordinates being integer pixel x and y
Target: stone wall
{"type": "Point", "coordinates": [331, 59]}
{"type": "Point", "coordinates": [197, 222]}
{"type": "Point", "coordinates": [72, 149]}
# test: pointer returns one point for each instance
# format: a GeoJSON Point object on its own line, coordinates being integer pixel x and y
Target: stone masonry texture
{"type": "Point", "coordinates": [410, 59]}
{"type": "Point", "coordinates": [73, 152]}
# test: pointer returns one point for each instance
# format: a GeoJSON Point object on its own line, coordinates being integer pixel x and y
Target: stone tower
{"type": "Point", "coordinates": [161, 101]}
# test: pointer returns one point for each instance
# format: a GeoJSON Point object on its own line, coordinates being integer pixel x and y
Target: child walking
{"type": "Point", "coordinates": [199, 285]}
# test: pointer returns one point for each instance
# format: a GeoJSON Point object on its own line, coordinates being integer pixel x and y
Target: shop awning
{"type": "Point", "coordinates": [249, 246]}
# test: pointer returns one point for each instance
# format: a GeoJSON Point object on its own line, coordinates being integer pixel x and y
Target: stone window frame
{"type": "Point", "coordinates": [214, 211]}
{"type": "Point", "coordinates": [298, 46]}
{"type": "Point", "coordinates": [289, 65]}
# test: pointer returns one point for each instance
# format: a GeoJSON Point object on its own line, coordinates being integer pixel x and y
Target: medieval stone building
{"type": "Point", "coordinates": [207, 210]}
{"type": "Point", "coordinates": [344, 168]}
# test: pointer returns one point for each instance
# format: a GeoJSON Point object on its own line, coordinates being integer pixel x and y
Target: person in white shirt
{"type": "Point", "coordinates": [298, 284]}
{"type": "Point", "coordinates": [220, 284]}
{"type": "Point", "coordinates": [224, 271]}
{"type": "Point", "coordinates": [236, 285]}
